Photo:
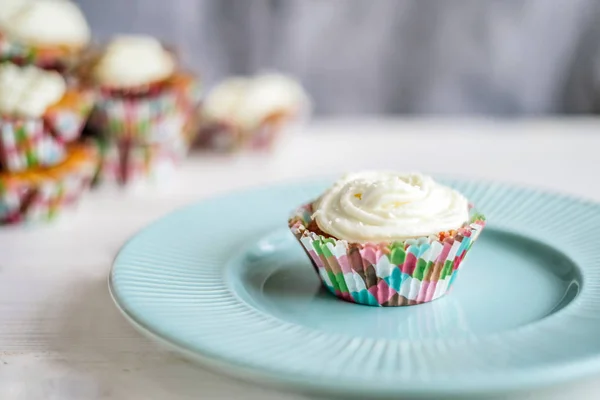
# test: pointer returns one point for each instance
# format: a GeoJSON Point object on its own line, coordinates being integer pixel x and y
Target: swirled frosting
{"type": "Point", "coordinates": [48, 22]}
{"type": "Point", "coordinates": [379, 206]}
{"type": "Point", "coordinates": [134, 60]}
{"type": "Point", "coordinates": [29, 91]}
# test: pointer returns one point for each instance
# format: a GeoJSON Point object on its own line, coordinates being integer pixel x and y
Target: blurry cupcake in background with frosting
{"type": "Point", "coordinates": [146, 109]}
{"type": "Point", "coordinates": [251, 112]}
{"type": "Point", "coordinates": [42, 169]}
{"type": "Point", "coordinates": [51, 34]}
{"type": "Point", "coordinates": [42, 194]}
{"type": "Point", "coordinates": [40, 114]}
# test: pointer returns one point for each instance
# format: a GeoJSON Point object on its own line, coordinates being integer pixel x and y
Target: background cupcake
{"type": "Point", "coordinates": [144, 101]}
{"type": "Point", "coordinates": [387, 239]}
{"type": "Point", "coordinates": [39, 114]}
{"type": "Point", "coordinates": [40, 194]}
{"type": "Point", "coordinates": [251, 112]}
{"type": "Point", "coordinates": [47, 33]}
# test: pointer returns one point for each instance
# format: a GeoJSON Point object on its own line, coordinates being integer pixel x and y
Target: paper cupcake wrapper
{"type": "Point", "coordinates": [40, 142]}
{"type": "Point", "coordinates": [67, 119]}
{"type": "Point", "coordinates": [125, 163]}
{"type": "Point", "coordinates": [224, 136]}
{"type": "Point", "coordinates": [387, 274]}
{"type": "Point", "coordinates": [55, 58]}
{"type": "Point", "coordinates": [146, 120]}
{"type": "Point", "coordinates": [40, 195]}
{"type": "Point", "coordinates": [219, 136]}
{"type": "Point", "coordinates": [26, 144]}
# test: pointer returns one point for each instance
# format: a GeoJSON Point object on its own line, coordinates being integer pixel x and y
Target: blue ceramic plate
{"type": "Point", "coordinates": [225, 282]}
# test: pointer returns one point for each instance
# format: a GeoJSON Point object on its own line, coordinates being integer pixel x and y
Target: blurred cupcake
{"type": "Point", "coordinates": [125, 163]}
{"type": "Point", "coordinates": [50, 34]}
{"type": "Point", "coordinates": [251, 112]}
{"type": "Point", "coordinates": [39, 115]}
{"type": "Point", "coordinates": [387, 239]}
{"type": "Point", "coordinates": [143, 97]}
{"type": "Point", "coordinates": [40, 194]}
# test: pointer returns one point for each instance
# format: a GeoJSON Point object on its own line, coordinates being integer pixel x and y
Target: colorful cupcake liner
{"type": "Point", "coordinates": [146, 120]}
{"type": "Point", "coordinates": [219, 136]}
{"type": "Point", "coordinates": [40, 142]}
{"type": "Point", "coordinates": [126, 163]}
{"type": "Point", "coordinates": [404, 273]}
{"type": "Point", "coordinates": [60, 59]}
{"type": "Point", "coordinates": [39, 195]}
{"type": "Point", "coordinates": [224, 136]}
{"type": "Point", "coordinates": [26, 144]}
{"type": "Point", "coordinates": [67, 119]}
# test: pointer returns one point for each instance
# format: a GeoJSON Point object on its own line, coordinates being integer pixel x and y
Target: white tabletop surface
{"type": "Point", "coordinates": [62, 338]}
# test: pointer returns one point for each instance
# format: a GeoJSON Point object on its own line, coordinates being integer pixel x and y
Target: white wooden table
{"type": "Point", "coordinates": [62, 338]}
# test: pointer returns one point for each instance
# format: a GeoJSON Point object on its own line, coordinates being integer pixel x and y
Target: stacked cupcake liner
{"type": "Point", "coordinates": [403, 273]}
{"type": "Point", "coordinates": [144, 138]}
{"type": "Point", "coordinates": [145, 120]}
{"type": "Point", "coordinates": [39, 194]}
{"type": "Point", "coordinates": [219, 136]}
{"type": "Point", "coordinates": [126, 163]}
{"type": "Point", "coordinates": [41, 142]}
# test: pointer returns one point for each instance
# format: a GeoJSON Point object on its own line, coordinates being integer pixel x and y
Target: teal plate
{"type": "Point", "coordinates": [224, 282]}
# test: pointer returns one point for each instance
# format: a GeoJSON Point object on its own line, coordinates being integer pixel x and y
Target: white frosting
{"type": "Point", "coordinates": [224, 101]}
{"type": "Point", "coordinates": [248, 101]}
{"type": "Point", "coordinates": [379, 206]}
{"type": "Point", "coordinates": [8, 8]}
{"type": "Point", "coordinates": [48, 22]}
{"type": "Point", "coordinates": [29, 91]}
{"type": "Point", "coordinates": [267, 95]}
{"type": "Point", "coordinates": [131, 61]}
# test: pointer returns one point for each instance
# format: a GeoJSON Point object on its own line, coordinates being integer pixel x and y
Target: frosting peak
{"type": "Point", "coordinates": [47, 22]}
{"type": "Point", "coordinates": [134, 60]}
{"type": "Point", "coordinates": [29, 91]}
{"type": "Point", "coordinates": [380, 206]}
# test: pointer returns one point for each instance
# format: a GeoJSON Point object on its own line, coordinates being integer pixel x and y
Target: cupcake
{"type": "Point", "coordinates": [126, 163]}
{"type": "Point", "coordinates": [41, 193]}
{"type": "Point", "coordinates": [143, 97]}
{"type": "Point", "coordinates": [251, 112]}
{"type": "Point", "coordinates": [387, 239]}
{"type": "Point", "coordinates": [48, 33]}
{"type": "Point", "coordinates": [39, 114]}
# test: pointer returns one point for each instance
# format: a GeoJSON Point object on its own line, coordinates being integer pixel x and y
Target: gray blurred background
{"type": "Point", "coordinates": [496, 57]}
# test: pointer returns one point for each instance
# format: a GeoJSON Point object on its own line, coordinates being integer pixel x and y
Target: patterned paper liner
{"type": "Point", "coordinates": [40, 142]}
{"type": "Point", "coordinates": [40, 194]}
{"type": "Point", "coordinates": [404, 273]}
{"type": "Point", "coordinates": [124, 163]}
{"type": "Point", "coordinates": [225, 136]}
{"type": "Point", "coordinates": [57, 58]}
{"type": "Point", "coordinates": [219, 136]}
{"type": "Point", "coordinates": [146, 120]}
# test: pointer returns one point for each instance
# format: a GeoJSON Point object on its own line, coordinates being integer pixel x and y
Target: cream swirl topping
{"type": "Point", "coordinates": [381, 206]}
